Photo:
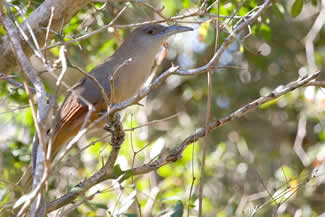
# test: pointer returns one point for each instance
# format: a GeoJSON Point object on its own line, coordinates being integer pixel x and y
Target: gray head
{"type": "Point", "coordinates": [151, 36]}
{"type": "Point", "coordinates": [159, 32]}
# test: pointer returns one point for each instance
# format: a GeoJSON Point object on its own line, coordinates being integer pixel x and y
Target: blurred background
{"type": "Point", "coordinates": [267, 163]}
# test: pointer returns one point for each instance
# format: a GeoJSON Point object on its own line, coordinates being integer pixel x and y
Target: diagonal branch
{"type": "Point", "coordinates": [177, 152]}
{"type": "Point", "coordinates": [29, 73]}
{"type": "Point", "coordinates": [102, 174]}
{"type": "Point", "coordinates": [226, 43]}
{"type": "Point", "coordinates": [39, 18]}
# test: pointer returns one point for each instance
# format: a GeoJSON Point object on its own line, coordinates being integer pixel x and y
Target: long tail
{"type": "Point", "coordinates": [60, 138]}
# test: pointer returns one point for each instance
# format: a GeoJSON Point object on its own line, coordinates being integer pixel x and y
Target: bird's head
{"type": "Point", "coordinates": [157, 32]}
{"type": "Point", "coordinates": [152, 36]}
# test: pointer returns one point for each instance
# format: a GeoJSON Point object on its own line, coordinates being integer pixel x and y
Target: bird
{"type": "Point", "coordinates": [140, 48]}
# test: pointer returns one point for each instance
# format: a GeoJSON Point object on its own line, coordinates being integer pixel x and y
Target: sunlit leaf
{"type": "Point", "coordinates": [297, 8]}
{"type": "Point", "coordinates": [266, 31]}
{"type": "Point", "coordinates": [4, 195]}
{"type": "Point", "coordinates": [243, 11]}
{"type": "Point", "coordinates": [285, 173]}
{"type": "Point", "coordinates": [117, 170]}
{"type": "Point", "coordinates": [170, 7]}
{"type": "Point", "coordinates": [268, 104]}
{"type": "Point", "coordinates": [95, 148]}
{"type": "Point", "coordinates": [142, 184]}
{"type": "Point", "coordinates": [278, 10]}
{"type": "Point", "coordinates": [165, 171]}
{"type": "Point", "coordinates": [207, 32]}
{"type": "Point", "coordinates": [186, 3]}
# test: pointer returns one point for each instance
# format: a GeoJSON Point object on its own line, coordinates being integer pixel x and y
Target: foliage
{"type": "Point", "coordinates": [251, 167]}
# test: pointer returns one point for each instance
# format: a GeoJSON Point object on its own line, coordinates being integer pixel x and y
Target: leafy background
{"type": "Point", "coordinates": [252, 167]}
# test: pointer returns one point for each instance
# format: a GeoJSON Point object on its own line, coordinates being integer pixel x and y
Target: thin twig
{"type": "Point", "coordinates": [17, 84]}
{"type": "Point", "coordinates": [91, 77]}
{"type": "Point", "coordinates": [192, 183]}
{"type": "Point", "coordinates": [153, 122]}
{"type": "Point", "coordinates": [176, 153]}
{"type": "Point", "coordinates": [91, 33]}
{"type": "Point", "coordinates": [126, 26]}
{"type": "Point", "coordinates": [49, 27]}
{"type": "Point", "coordinates": [42, 102]}
{"type": "Point", "coordinates": [316, 84]}
{"type": "Point", "coordinates": [301, 133]}
{"type": "Point", "coordinates": [111, 78]}
{"type": "Point", "coordinates": [35, 46]}
{"type": "Point", "coordinates": [141, 2]}
{"type": "Point", "coordinates": [155, 83]}
{"type": "Point", "coordinates": [226, 43]}
{"type": "Point", "coordinates": [311, 36]}
{"type": "Point", "coordinates": [207, 120]}
{"type": "Point", "coordinates": [34, 114]}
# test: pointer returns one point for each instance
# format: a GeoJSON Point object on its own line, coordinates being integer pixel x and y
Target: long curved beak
{"type": "Point", "coordinates": [171, 30]}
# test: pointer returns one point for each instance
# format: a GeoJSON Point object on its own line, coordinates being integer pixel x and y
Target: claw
{"type": "Point", "coordinates": [108, 129]}
{"type": "Point", "coordinates": [110, 124]}
{"type": "Point", "coordinates": [116, 129]}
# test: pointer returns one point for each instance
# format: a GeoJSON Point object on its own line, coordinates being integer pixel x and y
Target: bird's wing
{"type": "Point", "coordinates": [74, 108]}
{"type": "Point", "coordinates": [71, 109]}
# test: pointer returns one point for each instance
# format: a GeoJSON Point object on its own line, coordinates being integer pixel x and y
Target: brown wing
{"type": "Point", "coordinates": [70, 110]}
{"type": "Point", "coordinates": [66, 124]}
{"type": "Point", "coordinates": [73, 111]}
{"type": "Point", "coordinates": [71, 116]}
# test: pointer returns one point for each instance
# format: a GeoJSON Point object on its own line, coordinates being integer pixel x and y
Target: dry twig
{"type": "Point", "coordinates": [176, 153]}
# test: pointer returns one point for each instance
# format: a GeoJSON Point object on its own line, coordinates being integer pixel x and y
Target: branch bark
{"type": "Point", "coordinates": [28, 72]}
{"type": "Point", "coordinates": [177, 152]}
{"type": "Point", "coordinates": [64, 11]}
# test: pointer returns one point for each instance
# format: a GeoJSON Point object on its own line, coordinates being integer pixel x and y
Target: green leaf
{"type": "Point", "coordinates": [170, 7]}
{"type": "Point", "coordinates": [128, 174]}
{"type": "Point", "coordinates": [243, 11]}
{"type": "Point", "coordinates": [165, 171]}
{"type": "Point", "coordinates": [297, 8]}
{"type": "Point", "coordinates": [321, 135]}
{"type": "Point", "coordinates": [268, 104]}
{"type": "Point", "coordinates": [278, 10]}
{"type": "Point", "coordinates": [266, 32]}
{"type": "Point", "coordinates": [186, 3]}
{"type": "Point", "coordinates": [99, 205]}
{"type": "Point", "coordinates": [285, 173]}
{"type": "Point", "coordinates": [314, 2]}
{"type": "Point", "coordinates": [117, 171]}
{"type": "Point", "coordinates": [207, 32]}
{"type": "Point", "coordinates": [178, 210]}
{"type": "Point", "coordinates": [4, 195]}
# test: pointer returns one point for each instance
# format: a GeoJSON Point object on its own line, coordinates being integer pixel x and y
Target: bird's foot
{"type": "Point", "coordinates": [116, 129]}
{"type": "Point", "coordinates": [111, 123]}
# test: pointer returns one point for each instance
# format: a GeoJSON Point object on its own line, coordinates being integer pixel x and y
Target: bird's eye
{"type": "Point", "coordinates": [151, 32]}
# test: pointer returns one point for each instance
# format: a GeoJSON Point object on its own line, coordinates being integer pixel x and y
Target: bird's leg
{"type": "Point", "coordinates": [115, 127]}
{"type": "Point", "coordinates": [109, 123]}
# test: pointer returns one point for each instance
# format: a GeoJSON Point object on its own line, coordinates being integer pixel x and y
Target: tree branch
{"type": "Point", "coordinates": [64, 9]}
{"type": "Point", "coordinates": [102, 175]}
{"type": "Point", "coordinates": [176, 153]}
{"type": "Point", "coordinates": [42, 101]}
